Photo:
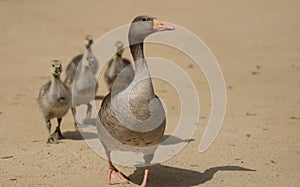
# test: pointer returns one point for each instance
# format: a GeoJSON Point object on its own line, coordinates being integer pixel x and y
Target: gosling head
{"type": "Point", "coordinates": [88, 41]}
{"type": "Point", "coordinates": [56, 68]}
{"type": "Point", "coordinates": [119, 47]}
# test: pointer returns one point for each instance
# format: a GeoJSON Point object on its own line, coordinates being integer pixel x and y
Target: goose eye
{"type": "Point", "coordinates": [144, 19]}
{"type": "Point", "coordinates": [53, 65]}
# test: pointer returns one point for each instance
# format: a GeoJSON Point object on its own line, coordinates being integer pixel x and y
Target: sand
{"type": "Point", "coordinates": [257, 47]}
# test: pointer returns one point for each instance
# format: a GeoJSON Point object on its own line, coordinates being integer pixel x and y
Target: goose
{"type": "Point", "coordinates": [54, 101]}
{"type": "Point", "coordinates": [84, 87]}
{"type": "Point", "coordinates": [134, 118]}
{"type": "Point", "coordinates": [115, 65]}
{"type": "Point", "coordinates": [73, 64]}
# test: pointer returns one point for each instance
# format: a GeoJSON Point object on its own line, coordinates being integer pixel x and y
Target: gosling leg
{"type": "Point", "coordinates": [50, 140]}
{"type": "Point", "coordinates": [89, 111]}
{"type": "Point", "coordinates": [57, 133]}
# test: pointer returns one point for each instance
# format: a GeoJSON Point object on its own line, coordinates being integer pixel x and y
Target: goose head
{"type": "Point", "coordinates": [56, 67]}
{"type": "Point", "coordinates": [119, 47]}
{"type": "Point", "coordinates": [88, 41]}
{"type": "Point", "coordinates": [143, 26]}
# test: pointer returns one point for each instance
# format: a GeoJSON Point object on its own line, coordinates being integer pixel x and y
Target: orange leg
{"type": "Point", "coordinates": [148, 158]}
{"type": "Point", "coordinates": [115, 176]}
{"type": "Point", "coordinates": [145, 176]}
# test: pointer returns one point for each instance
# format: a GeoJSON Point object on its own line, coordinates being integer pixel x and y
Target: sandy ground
{"type": "Point", "coordinates": [255, 42]}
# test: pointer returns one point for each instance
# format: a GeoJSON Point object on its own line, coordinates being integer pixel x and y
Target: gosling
{"type": "Point", "coordinates": [73, 64]}
{"type": "Point", "coordinates": [84, 87]}
{"type": "Point", "coordinates": [113, 77]}
{"type": "Point", "coordinates": [54, 101]}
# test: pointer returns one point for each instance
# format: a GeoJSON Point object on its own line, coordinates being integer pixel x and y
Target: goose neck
{"type": "Point", "coordinates": [55, 80]}
{"type": "Point", "coordinates": [137, 51]}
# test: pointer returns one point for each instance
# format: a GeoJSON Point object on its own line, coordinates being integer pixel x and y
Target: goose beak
{"type": "Point", "coordinates": [58, 70]}
{"type": "Point", "coordinates": [161, 26]}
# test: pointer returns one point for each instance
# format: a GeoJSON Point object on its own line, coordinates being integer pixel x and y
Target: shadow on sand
{"type": "Point", "coordinates": [172, 176]}
{"type": "Point", "coordinates": [76, 135]}
{"type": "Point", "coordinates": [174, 140]}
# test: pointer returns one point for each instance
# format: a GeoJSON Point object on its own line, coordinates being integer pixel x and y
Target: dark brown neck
{"type": "Point", "coordinates": [137, 51]}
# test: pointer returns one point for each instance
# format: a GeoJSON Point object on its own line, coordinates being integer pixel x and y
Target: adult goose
{"type": "Point", "coordinates": [115, 66]}
{"type": "Point", "coordinates": [54, 101]}
{"type": "Point", "coordinates": [134, 119]}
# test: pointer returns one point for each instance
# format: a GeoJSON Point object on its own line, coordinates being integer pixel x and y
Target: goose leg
{"type": "Point", "coordinates": [89, 111]}
{"type": "Point", "coordinates": [115, 176]}
{"type": "Point", "coordinates": [148, 159]}
{"type": "Point", "coordinates": [74, 117]}
{"type": "Point", "coordinates": [50, 139]}
{"type": "Point", "coordinates": [57, 133]}
{"type": "Point", "coordinates": [145, 176]}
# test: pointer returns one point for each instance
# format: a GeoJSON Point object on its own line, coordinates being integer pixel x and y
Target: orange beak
{"type": "Point", "coordinates": [161, 26]}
